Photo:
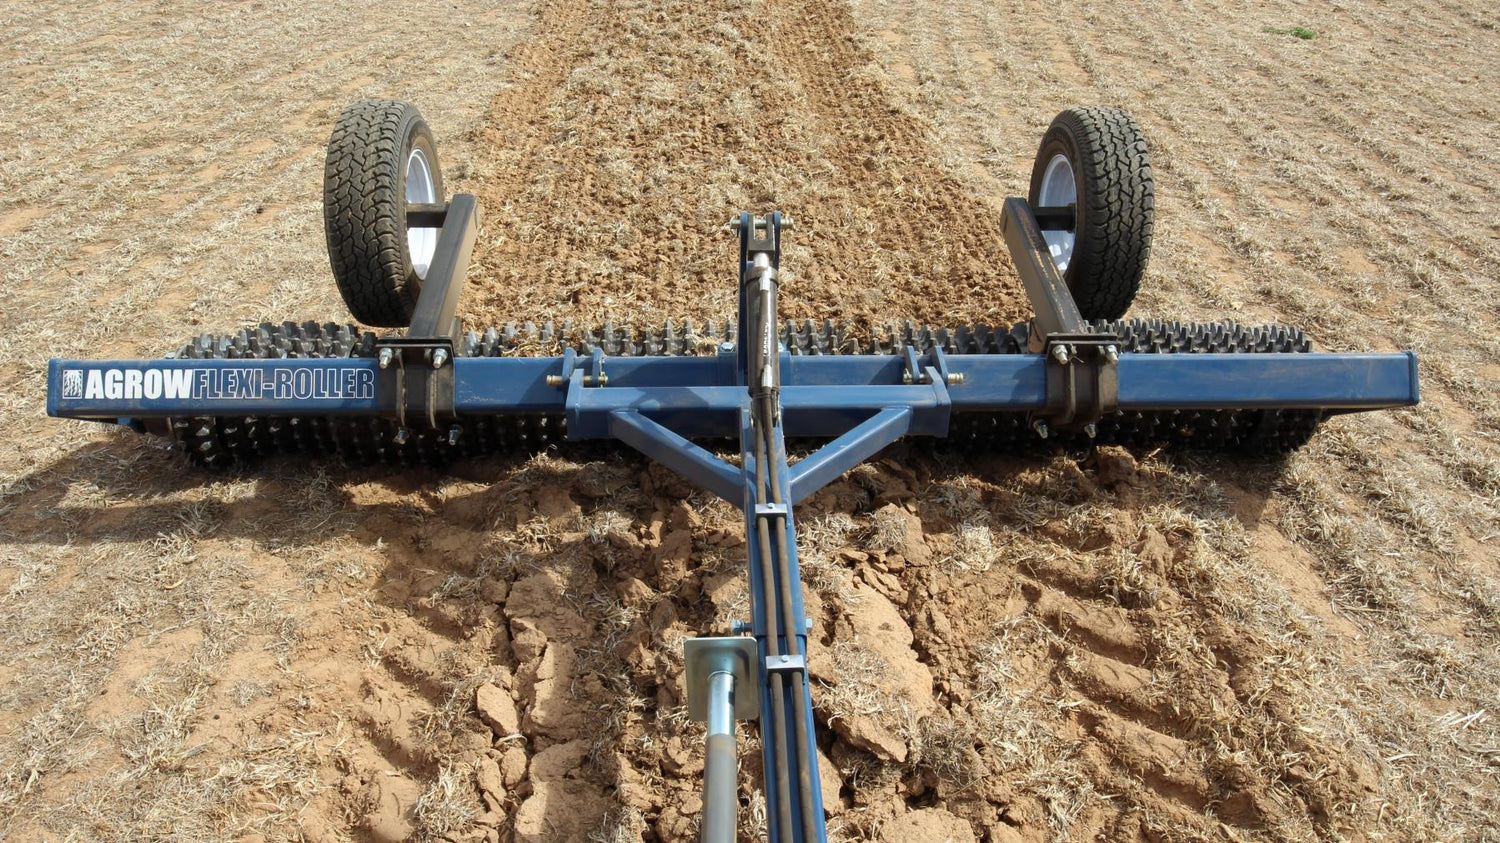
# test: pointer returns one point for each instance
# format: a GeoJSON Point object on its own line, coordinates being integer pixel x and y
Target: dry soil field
{"type": "Point", "coordinates": [1114, 646]}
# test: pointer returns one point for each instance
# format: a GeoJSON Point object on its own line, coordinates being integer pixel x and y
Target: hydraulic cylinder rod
{"type": "Point", "coordinates": [721, 764]}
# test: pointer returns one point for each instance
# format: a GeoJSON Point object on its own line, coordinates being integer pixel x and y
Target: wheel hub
{"type": "Point", "coordinates": [421, 243]}
{"type": "Point", "coordinates": [1059, 190]}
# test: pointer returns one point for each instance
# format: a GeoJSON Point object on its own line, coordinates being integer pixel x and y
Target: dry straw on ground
{"type": "Point", "coordinates": [1124, 646]}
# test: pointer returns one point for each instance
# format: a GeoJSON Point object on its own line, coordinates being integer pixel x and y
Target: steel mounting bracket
{"type": "Point", "coordinates": [733, 654]}
{"type": "Point", "coordinates": [416, 368]}
{"type": "Point", "coordinates": [1083, 380]}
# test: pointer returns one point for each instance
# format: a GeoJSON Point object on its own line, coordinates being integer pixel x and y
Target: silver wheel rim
{"type": "Point", "coordinates": [421, 243]}
{"type": "Point", "coordinates": [1059, 190]}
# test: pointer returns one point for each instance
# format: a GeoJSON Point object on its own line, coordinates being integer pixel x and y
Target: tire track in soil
{"type": "Point", "coordinates": [396, 699]}
{"type": "Point", "coordinates": [394, 681]}
{"type": "Point", "coordinates": [637, 128]}
{"type": "Point", "coordinates": [1128, 727]}
{"type": "Point", "coordinates": [884, 155]}
{"type": "Point", "coordinates": [1177, 738]}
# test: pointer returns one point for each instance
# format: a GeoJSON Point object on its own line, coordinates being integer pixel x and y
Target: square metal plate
{"type": "Point", "coordinates": [737, 655]}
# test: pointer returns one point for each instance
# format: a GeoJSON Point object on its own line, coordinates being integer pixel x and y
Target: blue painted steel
{"type": "Point", "coordinates": [711, 411]}
{"type": "Point", "coordinates": [822, 396]}
{"type": "Point", "coordinates": [689, 410]}
{"type": "Point", "coordinates": [484, 385]}
{"type": "Point", "coordinates": [840, 370]}
{"type": "Point", "coordinates": [792, 707]}
{"type": "Point", "coordinates": [1247, 381]}
{"type": "Point", "coordinates": [999, 382]}
{"type": "Point", "coordinates": [678, 454]}
{"type": "Point", "coordinates": [829, 462]}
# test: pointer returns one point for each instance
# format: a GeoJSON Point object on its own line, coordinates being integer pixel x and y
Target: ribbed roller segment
{"type": "Point", "coordinates": [219, 440]}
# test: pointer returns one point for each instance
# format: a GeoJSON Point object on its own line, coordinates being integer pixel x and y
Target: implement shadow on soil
{"type": "Point", "coordinates": [133, 483]}
{"type": "Point", "coordinates": [118, 488]}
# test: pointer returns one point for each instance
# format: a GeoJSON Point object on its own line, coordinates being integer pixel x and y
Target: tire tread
{"type": "Point", "coordinates": [364, 210]}
{"type": "Point", "coordinates": [1118, 196]}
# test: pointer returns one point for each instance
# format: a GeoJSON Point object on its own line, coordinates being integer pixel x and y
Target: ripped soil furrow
{"type": "Point", "coordinates": [598, 224]}
{"type": "Point", "coordinates": [885, 156]}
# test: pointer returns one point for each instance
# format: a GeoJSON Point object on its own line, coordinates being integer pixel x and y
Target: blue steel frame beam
{"type": "Point", "coordinates": [1268, 381]}
{"type": "Point", "coordinates": [821, 395]}
{"type": "Point", "coordinates": [678, 454]}
{"type": "Point", "coordinates": [829, 462]}
{"type": "Point", "coordinates": [710, 410]}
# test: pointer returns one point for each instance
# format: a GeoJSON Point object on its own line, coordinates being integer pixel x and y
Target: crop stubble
{"type": "Point", "coordinates": [1034, 648]}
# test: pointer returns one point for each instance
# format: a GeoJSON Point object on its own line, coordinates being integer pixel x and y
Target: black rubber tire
{"type": "Point", "coordinates": [364, 208]}
{"type": "Point", "coordinates": [1116, 204]}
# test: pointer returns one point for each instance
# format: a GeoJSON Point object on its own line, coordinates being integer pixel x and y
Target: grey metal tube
{"type": "Point", "coordinates": [721, 765]}
{"type": "Point", "coordinates": [722, 802]}
{"type": "Point", "coordinates": [721, 703]}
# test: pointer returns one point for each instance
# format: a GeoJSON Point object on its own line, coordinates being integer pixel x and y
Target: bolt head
{"type": "Point", "coordinates": [1090, 430]}
{"type": "Point", "coordinates": [1040, 426]}
{"type": "Point", "coordinates": [385, 357]}
{"type": "Point", "coordinates": [1060, 354]}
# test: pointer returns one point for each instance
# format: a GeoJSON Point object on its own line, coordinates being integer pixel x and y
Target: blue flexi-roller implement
{"type": "Point", "coordinates": [1076, 371]}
